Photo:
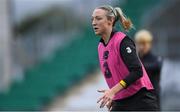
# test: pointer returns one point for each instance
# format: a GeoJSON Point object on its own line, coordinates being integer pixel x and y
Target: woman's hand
{"type": "Point", "coordinates": [108, 96]}
{"type": "Point", "coordinates": [109, 105]}
{"type": "Point", "coordinates": [106, 99]}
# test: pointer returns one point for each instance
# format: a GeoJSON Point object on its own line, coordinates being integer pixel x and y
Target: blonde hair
{"type": "Point", "coordinates": [118, 15]}
{"type": "Point", "coordinates": [143, 35]}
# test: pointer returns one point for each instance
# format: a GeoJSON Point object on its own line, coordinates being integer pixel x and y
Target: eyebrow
{"type": "Point", "coordinates": [95, 16]}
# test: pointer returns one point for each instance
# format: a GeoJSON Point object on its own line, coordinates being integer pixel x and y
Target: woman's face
{"type": "Point", "coordinates": [100, 22]}
{"type": "Point", "coordinates": [143, 47]}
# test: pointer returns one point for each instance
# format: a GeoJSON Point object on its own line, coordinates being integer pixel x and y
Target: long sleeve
{"type": "Point", "coordinates": [131, 60]}
{"type": "Point", "coordinates": [155, 64]}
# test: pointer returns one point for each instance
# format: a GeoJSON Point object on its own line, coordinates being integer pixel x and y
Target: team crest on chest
{"type": "Point", "coordinates": [128, 49]}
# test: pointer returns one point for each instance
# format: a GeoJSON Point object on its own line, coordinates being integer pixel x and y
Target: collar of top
{"type": "Point", "coordinates": [112, 33]}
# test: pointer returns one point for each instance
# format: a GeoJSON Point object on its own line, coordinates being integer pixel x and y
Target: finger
{"type": "Point", "coordinates": [108, 105]}
{"type": "Point", "coordinates": [111, 105]}
{"type": "Point", "coordinates": [104, 102]}
{"type": "Point", "coordinates": [100, 99]}
{"type": "Point", "coordinates": [101, 91]}
{"type": "Point", "coordinates": [110, 108]}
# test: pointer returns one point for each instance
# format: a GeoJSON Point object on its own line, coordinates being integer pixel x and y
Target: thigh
{"type": "Point", "coordinates": [124, 105]}
{"type": "Point", "coordinates": [118, 106]}
{"type": "Point", "coordinates": [148, 102]}
{"type": "Point", "coordinates": [144, 100]}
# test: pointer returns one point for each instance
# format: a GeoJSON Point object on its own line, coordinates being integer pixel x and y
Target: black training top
{"type": "Point", "coordinates": [153, 66]}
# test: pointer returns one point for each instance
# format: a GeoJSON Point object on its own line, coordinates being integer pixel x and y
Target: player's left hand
{"type": "Point", "coordinates": [106, 98]}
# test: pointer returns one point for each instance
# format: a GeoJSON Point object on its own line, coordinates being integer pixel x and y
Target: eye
{"type": "Point", "coordinates": [98, 18]}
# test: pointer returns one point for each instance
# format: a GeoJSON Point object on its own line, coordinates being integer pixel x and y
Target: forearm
{"type": "Point", "coordinates": [118, 87]}
{"type": "Point", "coordinates": [133, 76]}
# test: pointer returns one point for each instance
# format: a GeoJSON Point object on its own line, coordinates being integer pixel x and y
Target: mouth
{"type": "Point", "coordinates": [95, 28]}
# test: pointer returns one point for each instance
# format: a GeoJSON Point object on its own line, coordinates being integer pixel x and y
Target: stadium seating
{"type": "Point", "coordinates": [68, 66]}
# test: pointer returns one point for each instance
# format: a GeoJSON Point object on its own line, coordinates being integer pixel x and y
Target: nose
{"type": "Point", "coordinates": [94, 23]}
{"type": "Point", "coordinates": [141, 47]}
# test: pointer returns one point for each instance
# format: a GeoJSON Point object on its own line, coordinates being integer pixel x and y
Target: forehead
{"type": "Point", "coordinates": [143, 42]}
{"type": "Point", "coordinates": [99, 12]}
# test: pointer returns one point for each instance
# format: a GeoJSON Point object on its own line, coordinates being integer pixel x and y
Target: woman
{"type": "Point", "coordinates": [129, 85]}
{"type": "Point", "coordinates": [151, 62]}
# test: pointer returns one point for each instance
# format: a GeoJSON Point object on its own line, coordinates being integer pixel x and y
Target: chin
{"type": "Point", "coordinates": [97, 33]}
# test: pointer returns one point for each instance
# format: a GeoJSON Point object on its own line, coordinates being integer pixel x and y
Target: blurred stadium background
{"type": "Point", "coordinates": [48, 51]}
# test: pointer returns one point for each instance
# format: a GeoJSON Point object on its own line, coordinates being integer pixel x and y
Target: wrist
{"type": "Point", "coordinates": [123, 83]}
{"type": "Point", "coordinates": [113, 90]}
{"type": "Point", "coordinates": [116, 88]}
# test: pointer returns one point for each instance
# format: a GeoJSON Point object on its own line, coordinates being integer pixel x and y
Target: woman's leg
{"type": "Point", "coordinates": [148, 102]}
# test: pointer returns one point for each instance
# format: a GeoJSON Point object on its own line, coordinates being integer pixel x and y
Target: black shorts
{"type": "Point", "coordinates": [143, 100]}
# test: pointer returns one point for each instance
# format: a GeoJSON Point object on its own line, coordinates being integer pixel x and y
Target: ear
{"type": "Point", "coordinates": [111, 20]}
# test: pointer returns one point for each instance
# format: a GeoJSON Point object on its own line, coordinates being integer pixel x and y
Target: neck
{"type": "Point", "coordinates": [144, 54]}
{"type": "Point", "coordinates": [106, 36]}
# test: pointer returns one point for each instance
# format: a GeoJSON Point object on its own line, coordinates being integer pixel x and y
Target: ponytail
{"type": "Point", "coordinates": [118, 14]}
{"type": "Point", "coordinates": [126, 22]}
